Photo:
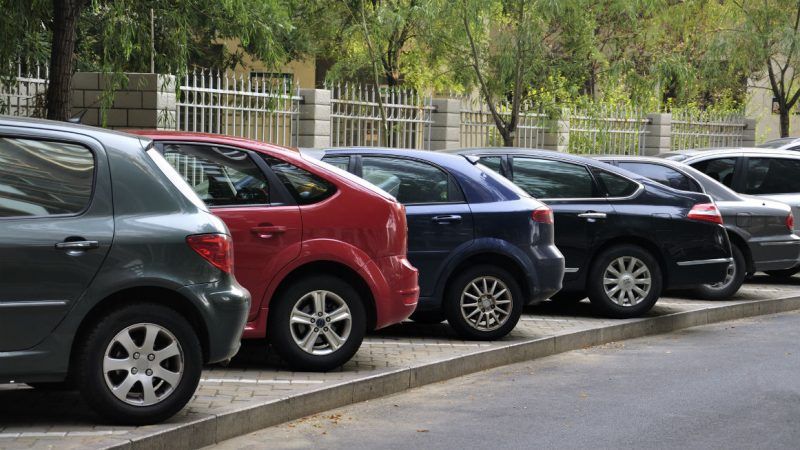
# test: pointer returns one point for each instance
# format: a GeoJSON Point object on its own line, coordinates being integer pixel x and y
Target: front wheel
{"type": "Point", "coordinates": [625, 281]}
{"type": "Point", "coordinates": [317, 323]}
{"type": "Point", "coordinates": [140, 364]}
{"type": "Point", "coordinates": [483, 303]}
{"type": "Point", "coordinates": [734, 277]}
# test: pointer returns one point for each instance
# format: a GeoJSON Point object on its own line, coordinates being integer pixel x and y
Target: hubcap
{"type": "Point", "coordinates": [143, 364]}
{"type": "Point", "coordinates": [627, 280]}
{"type": "Point", "coordinates": [320, 322]}
{"type": "Point", "coordinates": [486, 303]}
{"type": "Point", "coordinates": [729, 275]}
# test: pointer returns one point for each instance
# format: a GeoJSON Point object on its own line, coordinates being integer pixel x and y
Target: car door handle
{"type": "Point", "coordinates": [592, 215]}
{"type": "Point", "coordinates": [449, 218]}
{"type": "Point", "coordinates": [268, 231]}
{"type": "Point", "coordinates": [77, 245]}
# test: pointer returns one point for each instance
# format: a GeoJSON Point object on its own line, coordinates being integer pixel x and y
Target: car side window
{"type": "Point", "coordinates": [616, 186]}
{"type": "Point", "coordinates": [544, 178]}
{"type": "Point", "coordinates": [221, 176]}
{"type": "Point", "coordinates": [305, 187]}
{"type": "Point", "coordinates": [661, 174]}
{"type": "Point", "coordinates": [44, 178]}
{"type": "Point", "coordinates": [772, 176]}
{"type": "Point", "coordinates": [720, 169]}
{"type": "Point", "coordinates": [341, 162]}
{"type": "Point", "coordinates": [408, 180]}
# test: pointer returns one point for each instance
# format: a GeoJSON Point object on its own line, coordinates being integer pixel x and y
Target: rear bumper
{"type": "Point", "coordinates": [548, 262]}
{"type": "Point", "coordinates": [698, 271]}
{"type": "Point", "coordinates": [395, 288]}
{"type": "Point", "coordinates": [775, 254]}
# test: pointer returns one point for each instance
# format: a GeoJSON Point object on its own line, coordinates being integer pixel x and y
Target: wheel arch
{"type": "Point", "coordinates": [739, 241]}
{"type": "Point", "coordinates": [504, 261]}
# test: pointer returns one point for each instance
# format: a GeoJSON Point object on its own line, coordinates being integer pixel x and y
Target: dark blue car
{"type": "Point", "coordinates": [484, 248]}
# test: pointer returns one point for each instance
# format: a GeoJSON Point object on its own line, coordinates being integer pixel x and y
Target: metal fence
{"type": "Point", "coordinates": [697, 129]}
{"type": "Point", "coordinates": [478, 128]}
{"type": "Point", "coordinates": [616, 130]}
{"type": "Point", "coordinates": [254, 108]}
{"type": "Point", "coordinates": [355, 118]}
{"type": "Point", "coordinates": [24, 95]}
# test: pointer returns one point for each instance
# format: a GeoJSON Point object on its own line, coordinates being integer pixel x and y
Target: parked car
{"type": "Point", "coordinates": [483, 247]}
{"type": "Point", "coordinates": [787, 143]}
{"type": "Point", "coordinates": [625, 238]}
{"type": "Point", "coordinates": [761, 231]}
{"type": "Point", "coordinates": [115, 277]}
{"type": "Point", "coordinates": [763, 173]}
{"type": "Point", "coordinates": [322, 252]}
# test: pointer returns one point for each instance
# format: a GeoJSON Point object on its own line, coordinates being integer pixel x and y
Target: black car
{"type": "Point", "coordinates": [483, 247]}
{"type": "Point", "coordinates": [761, 231]}
{"type": "Point", "coordinates": [625, 238]}
{"type": "Point", "coordinates": [114, 276]}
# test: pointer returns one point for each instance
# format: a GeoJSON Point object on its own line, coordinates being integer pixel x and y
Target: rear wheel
{"type": "Point", "coordinates": [140, 364]}
{"type": "Point", "coordinates": [785, 273]}
{"type": "Point", "coordinates": [317, 323]}
{"type": "Point", "coordinates": [483, 303]}
{"type": "Point", "coordinates": [625, 281]}
{"type": "Point", "coordinates": [737, 271]}
{"type": "Point", "coordinates": [428, 317]}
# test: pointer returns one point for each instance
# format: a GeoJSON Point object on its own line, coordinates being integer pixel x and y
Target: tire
{"type": "Point", "coordinates": [625, 307]}
{"type": "Point", "coordinates": [430, 317]}
{"type": "Point", "coordinates": [733, 280]}
{"type": "Point", "coordinates": [568, 297]}
{"type": "Point", "coordinates": [470, 284]}
{"type": "Point", "coordinates": [325, 352]}
{"type": "Point", "coordinates": [132, 323]}
{"type": "Point", "coordinates": [785, 273]}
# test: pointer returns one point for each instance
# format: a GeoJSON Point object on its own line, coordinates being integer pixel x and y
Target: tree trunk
{"type": "Point", "coordinates": [65, 25]}
{"type": "Point", "coordinates": [784, 121]}
{"type": "Point", "coordinates": [508, 137]}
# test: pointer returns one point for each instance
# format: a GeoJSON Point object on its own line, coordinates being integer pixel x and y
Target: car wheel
{"type": "Point", "coordinates": [625, 281]}
{"type": "Point", "coordinates": [431, 317]}
{"type": "Point", "coordinates": [483, 303]}
{"type": "Point", "coordinates": [568, 297]}
{"type": "Point", "coordinates": [317, 323]}
{"type": "Point", "coordinates": [737, 271]}
{"type": "Point", "coordinates": [140, 364]}
{"type": "Point", "coordinates": [785, 273]}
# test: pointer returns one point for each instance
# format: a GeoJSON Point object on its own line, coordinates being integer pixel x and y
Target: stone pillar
{"type": "Point", "coordinates": [556, 136]}
{"type": "Point", "coordinates": [749, 133]}
{"type": "Point", "coordinates": [658, 132]}
{"type": "Point", "coordinates": [446, 126]}
{"type": "Point", "coordinates": [147, 101]}
{"type": "Point", "coordinates": [315, 118]}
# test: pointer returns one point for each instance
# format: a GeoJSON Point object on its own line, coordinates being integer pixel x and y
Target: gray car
{"type": "Point", "coordinates": [761, 231]}
{"type": "Point", "coordinates": [114, 277]}
{"type": "Point", "coordinates": [763, 173]}
{"type": "Point", "coordinates": [787, 143]}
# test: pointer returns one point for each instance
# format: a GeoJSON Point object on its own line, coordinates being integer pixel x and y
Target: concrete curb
{"type": "Point", "coordinates": [210, 429]}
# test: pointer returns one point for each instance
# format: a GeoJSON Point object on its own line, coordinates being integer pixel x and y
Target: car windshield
{"type": "Point", "coordinates": [349, 176]}
{"type": "Point", "coordinates": [718, 191]}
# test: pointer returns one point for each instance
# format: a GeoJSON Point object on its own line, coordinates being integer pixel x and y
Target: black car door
{"type": "Point", "coordinates": [579, 206]}
{"type": "Point", "coordinates": [439, 219]}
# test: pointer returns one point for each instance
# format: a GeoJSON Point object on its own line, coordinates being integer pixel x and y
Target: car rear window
{"type": "Point", "coordinates": [176, 179]}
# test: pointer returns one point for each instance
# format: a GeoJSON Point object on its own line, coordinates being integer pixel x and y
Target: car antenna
{"type": "Point", "coordinates": [77, 118]}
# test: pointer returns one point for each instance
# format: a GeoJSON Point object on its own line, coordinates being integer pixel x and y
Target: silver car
{"type": "Point", "coordinates": [787, 143]}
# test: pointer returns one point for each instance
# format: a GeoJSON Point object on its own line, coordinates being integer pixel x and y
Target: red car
{"type": "Point", "coordinates": [322, 252]}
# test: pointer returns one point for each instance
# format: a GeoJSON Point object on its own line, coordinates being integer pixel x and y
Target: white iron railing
{"type": "Point", "coordinates": [355, 118]}
{"type": "Point", "coordinates": [698, 129]}
{"type": "Point", "coordinates": [24, 95]}
{"type": "Point", "coordinates": [614, 130]}
{"type": "Point", "coordinates": [478, 128]}
{"type": "Point", "coordinates": [222, 103]}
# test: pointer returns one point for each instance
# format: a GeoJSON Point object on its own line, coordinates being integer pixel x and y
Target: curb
{"type": "Point", "coordinates": [210, 429]}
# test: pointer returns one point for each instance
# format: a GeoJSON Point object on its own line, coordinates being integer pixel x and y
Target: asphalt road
{"type": "Point", "coordinates": [730, 385]}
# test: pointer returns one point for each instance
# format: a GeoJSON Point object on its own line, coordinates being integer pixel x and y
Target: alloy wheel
{"type": "Point", "coordinates": [627, 281]}
{"type": "Point", "coordinates": [143, 364]}
{"type": "Point", "coordinates": [320, 322]}
{"type": "Point", "coordinates": [486, 303]}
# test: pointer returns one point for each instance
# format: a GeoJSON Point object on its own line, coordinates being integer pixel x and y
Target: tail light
{"type": "Point", "coordinates": [790, 221]}
{"type": "Point", "coordinates": [706, 212]}
{"type": "Point", "coordinates": [217, 249]}
{"type": "Point", "coordinates": [542, 214]}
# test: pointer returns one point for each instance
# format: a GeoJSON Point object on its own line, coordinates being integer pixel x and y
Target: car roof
{"type": "Point", "coordinates": [780, 142]}
{"type": "Point", "coordinates": [436, 157]}
{"type": "Point", "coordinates": [69, 127]}
{"type": "Point", "coordinates": [747, 151]}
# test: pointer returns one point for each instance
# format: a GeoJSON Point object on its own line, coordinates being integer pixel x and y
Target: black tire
{"type": "Point", "coordinates": [430, 317]}
{"type": "Point", "coordinates": [595, 285]}
{"type": "Point", "coordinates": [467, 329]}
{"type": "Point", "coordinates": [91, 380]}
{"type": "Point", "coordinates": [280, 328]}
{"type": "Point", "coordinates": [568, 297]}
{"type": "Point", "coordinates": [722, 291]}
{"type": "Point", "coordinates": [785, 273]}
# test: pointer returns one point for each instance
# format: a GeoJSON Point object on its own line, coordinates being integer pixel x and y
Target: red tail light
{"type": "Point", "coordinates": [790, 221]}
{"type": "Point", "coordinates": [542, 214]}
{"type": "Point", "coordinates": [214, 248]}
{"type": "Point", "coordinates": [707, 212]}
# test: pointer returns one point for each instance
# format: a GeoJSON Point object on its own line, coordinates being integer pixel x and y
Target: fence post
{"type": "Point", "coordinates": [556, 136]}
{"type": "Point", "coordinates": [315, 118]}
{"type": "Point", "coordinates": [658, 132]}
{"type": "Point", "coordinates": [749, 133]}
{"type": "Point", "coordinates": [446, 126]}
